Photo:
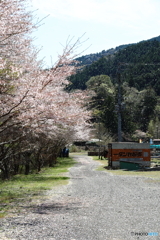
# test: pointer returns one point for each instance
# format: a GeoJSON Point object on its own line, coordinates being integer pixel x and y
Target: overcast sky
{"type": "Point", "coordinates": [106, 24]}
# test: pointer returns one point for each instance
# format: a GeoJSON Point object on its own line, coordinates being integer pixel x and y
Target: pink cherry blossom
{"type": "Point", "coordinates": [36, 112]}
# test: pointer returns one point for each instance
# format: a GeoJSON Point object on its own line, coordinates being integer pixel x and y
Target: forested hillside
{"type": "Point", "coordinates": [137, 67]}
{"type": "Point", "coordinates": [138, 64]}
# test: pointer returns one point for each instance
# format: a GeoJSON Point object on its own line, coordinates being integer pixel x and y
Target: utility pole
{"type": "Point", "coordinates": [157, 131]}
{"type": "Point", "coordinates": [119, 109]}
{"type": "Point", "coordinates": [99, 136]}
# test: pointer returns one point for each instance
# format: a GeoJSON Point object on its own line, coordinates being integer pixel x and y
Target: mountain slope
{"type": "Point", "coordinates": [90, 58]}
{"type": "Point", "coordinates": [139, 65]}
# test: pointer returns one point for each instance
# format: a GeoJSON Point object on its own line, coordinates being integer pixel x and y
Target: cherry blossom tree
{"type": "Point", "coordinates": [37, 116]}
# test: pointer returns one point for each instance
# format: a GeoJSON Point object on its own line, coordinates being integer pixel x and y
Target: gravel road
{"type": "Point", "coordinates": [93, 206]}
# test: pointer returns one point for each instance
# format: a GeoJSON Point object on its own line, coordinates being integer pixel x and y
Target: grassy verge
{"type": "Point", "coordinates": [151, 174]}
{"type": "Point", "coordinates": [103, 163]}
{"type": "Point", "coordinates": [23, 188]}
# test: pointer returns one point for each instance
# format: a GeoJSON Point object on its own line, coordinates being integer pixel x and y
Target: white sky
{"type": "Point", "coordinates": [106, 24]}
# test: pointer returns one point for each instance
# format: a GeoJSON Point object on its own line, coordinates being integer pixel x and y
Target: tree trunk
{"type": "Point", "coordinates": [16, 168]}
{"type": "Point", "coordinates": [27, 168]}
{"type": "Point", "coordinates": [5, 171]}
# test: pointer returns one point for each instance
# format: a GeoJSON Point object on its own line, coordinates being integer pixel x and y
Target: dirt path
{"type": "Point", "coordinates": [93, 206]}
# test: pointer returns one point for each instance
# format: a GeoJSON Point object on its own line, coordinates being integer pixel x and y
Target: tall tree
{"type": "Point", "coordinates": [103, 102]}
{"type": "Point", "coordinates": [148, 108]}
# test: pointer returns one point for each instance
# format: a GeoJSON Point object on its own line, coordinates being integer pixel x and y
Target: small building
{"type": "Point", "coordinates": [156, 141]}
{"type": "Point", "coordinates": [128, 152]}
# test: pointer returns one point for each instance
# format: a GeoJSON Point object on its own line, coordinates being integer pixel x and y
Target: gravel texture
{"type": "Point", "coordinates": [95, 205]}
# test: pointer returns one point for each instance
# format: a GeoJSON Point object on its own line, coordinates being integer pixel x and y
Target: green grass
{"type": "Point", "coordinates": [103, 163]}
{"type": "Point", "coordinates": [27, 187]}
{"type": "Point", "coordinates": [151, 174]}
